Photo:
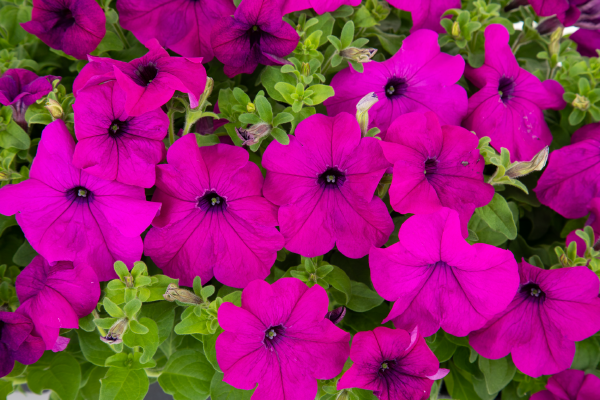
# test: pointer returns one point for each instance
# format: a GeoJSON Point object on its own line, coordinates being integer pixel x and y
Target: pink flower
{"type": "Point", "coordinates": [417, 78]}
{"type": "Point", "coordinates": [325, 181]}
{"type": "Point", "coordinates": [435, 167]}
{"type": "Point", "coordinates": [438, 280]}
{"type": "Point", "coordinates": [280, 339]}
{"type": "Point", "coordinates": [56, 296]}
{"type": "Point", "coordinates": [550, 312]}
{"type": "Point", "coordinates": [67, 214]}
{"type": "Point", "coordinates": [588, 41]}
{"type": "Point", "coordinates": [113, 145]}
{"type": "Point", "coordinates": [508, 108]}
{"type": "Point", "coordinates": [593, 221]}
{"type": "Point", "coordinates": [214, 220]}
{"type": "Point", "coordinates": [394, 364]}
{"type": "Point", "coordinates": [17, 341]}
{"type": "Point", "coordinates": [320, 6]}
{"type": "Point", "coordinates": [426, 14]}
{"type": "Point", "coordinates": [570, 385]}
{"type": "Point", "coordinates": [570, 180]}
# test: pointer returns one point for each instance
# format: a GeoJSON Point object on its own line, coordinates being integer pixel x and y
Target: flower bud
{"type": "Point", "coordinates": [359, 55]}
{"type": "Point", "coordinates": [305, 69]}
{"type": "Point", "coordinates": [175, 293]}
{"type": "Point", "coordinates": [336, 316]}
{"type": "Point", "coordinates": [554, 45]}
{"type": "Point", "coordinates": [210, 84]}
{"type": "Point", "coordinates": [115, 333]}
{"type": "Point", "coordinates": [362, 111]}
{"type": "Point", "coordinates": [54, 108]}
{"type": "Point", "coordinates": [455, 29]}
{"type": "Point", "coordinates": [537, 163]}
{"type": "Point", "coordinates": [250, 107]}
{"type": "Point", "coordinates": [581, 102]}
{"type": "Point", "coordinates": [253, 134]}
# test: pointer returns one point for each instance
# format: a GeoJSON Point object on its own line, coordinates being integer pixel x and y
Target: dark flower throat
{"type": "Point", "coordinates": [212, 202]}
{"type": "Point", "coordinates": [332, 178]}
{"type": "Point", "coordinates": [506, 88]}
{"type": "Point", "coordinates": [65, 19]}
{"type": "Point", "coordinates": [117, 128]}
{"type": "Point", "coordinates": [532, 292]}
{"type": "Point", "coordinates": [395, 87]}
{"type": "Point", "coordinates": [80, 194]}
{"type": "Point", "coordinates": [254, 35]}
{"type": "Point", "coordinates": [273, 335]}
{"type": "Point", "coordinates": [146, 73]}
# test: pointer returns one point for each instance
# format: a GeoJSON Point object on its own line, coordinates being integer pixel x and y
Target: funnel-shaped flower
{"type": "Point", "coordinates": [113, 145]}
{"type": "Point", "coordinates": [214, 220]}
{"type": "Point", "coordinates": [325, 181]}
{"type": "Point", "coordinates": [394, 364]}
{"type": "Point", "coordinates": [550, 312]}
{"type": "Point", "coordinates": [67, 214]}
{"type": "Point", "coordinates": [581, 13]}
{"type": "Point", "coordinates": [478, 280]}
{"type": "Point", "coordinates": [255, 34]}
{"type": "Point", "coordinates": [17, 342]}
{"type": "Point", "coordinates": [435, 167]}
{"type": "Point", "coordinates": [570, 385]}
{"type": "Point", "coordinates": [74, 26]}
{"type": "Point", "coordinates": [320, 6]}
{"type": "Point", "coordinates": [280, 339]}
{"type": "Point", "coordinates": [417, 78]}
{"type": "Point", "coordinates": [588, 41]}
{"type": "Point", "coordinates": [508, 108]}
{"type": "Point", "coordinates": [426, 14]}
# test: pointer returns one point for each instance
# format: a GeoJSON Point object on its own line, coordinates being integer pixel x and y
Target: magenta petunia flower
{"type": "Point", "coordinates": [180, 25]}
{"type": "Point", "coordinates": [435, 167]}
{"type": "Point", "coordinates": [478, 280]}
{"type": "Point", "coordinates": [583, 13]}
{"type": "Point", "coordinates": [394, 364]}
{"type": "Point", "coordinates": [74, 26]}
{"type": "Point", "coordinates": [417, 78]}
{"type": "Point", "coordinates": [67, 214]}
{"type": "Point", "coordinates": [56, 296]}
{"type": "Point", "coordinates": [17, 341]}
{"type": "Point", "coordinates": [593, 221]}
{"type": "Point", "coordinates": [255, 34]}
{"type": "Point", "coordinates": [508, 107]}
{"type": "Point", "coordinates": [426, 14]}
{"type": "Point", "coordinates": [320, 6]}
{"type": "Point", "coordinates": [280, 339]}
{"type": "Point", "coordinates": [214, 220]}
{"type": "Point", "coordinates": [588, 41]}
{"type": "Point", "coordinates": [550, 312]}
{"type": "Point", "coordinates": [571, 170]}
{"type": "Point", "coordinates": [113, 145]}
{"type": "Point", "coordinates": [570, 385]}
{"type": "Point", "coordinates": [325, 181]}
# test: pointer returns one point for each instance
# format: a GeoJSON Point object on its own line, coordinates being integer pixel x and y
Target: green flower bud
{"type": "Point", "coordinates": [54, 108]}
{"type": "Point", "coordinates": [115, 333]}
{"type": "Point", "coordinates": [175, 293]}
{"type": "Point", "coordinates": [359, 55]}
{"type": "Point", "coordinates": [537, 163]}
{"type": "Point", "coordinates": [362, 111]}
{"type": "Point", "coordinates": [253, 134]}
{"type": "Point", "coordinates": [581, 102]}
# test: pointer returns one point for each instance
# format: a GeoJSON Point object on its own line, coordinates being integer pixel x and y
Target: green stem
{"type": "Point", "coordinates": [170, 114]}
{"type": "Point", "coordinates": [325, 67]}
{"type": "Point", "coordinates": [121, 35]}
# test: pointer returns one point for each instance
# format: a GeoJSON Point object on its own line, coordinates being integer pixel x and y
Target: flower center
{"type": "Point", "coordinates": [211, 201]}
{"type": "Point", "coordinates": [386, 366]}
{"type": "Point", "coordinates": [395, 87]}
{"type": "Point", "coordinates": [430, 166]}
{"type": "Point", "coordinates": [506, 87]}
{"type": "Point", "coordinates": [65, 19]}
{"type": "Point", "coordinates": [80, 194]}
{"type": "Point", "coordinates": [254, 35]}
{"type": "Point", "coordinates": [332, 178]}
{"type": "Point", "coordinates": [117, 128]}
{"type": "Point", "coordinates": [273, 335]}
{"type": "Point", "coordinates": [147, 72]}
{"type": "Point", "coordinates": [532, 291]}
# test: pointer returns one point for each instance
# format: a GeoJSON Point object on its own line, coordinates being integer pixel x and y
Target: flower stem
{"type": "Point", "coordinates": [170, 114]}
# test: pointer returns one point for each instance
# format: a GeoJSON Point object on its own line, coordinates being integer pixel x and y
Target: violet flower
{"type": "Point", "coordinates": [394, 364]}
{"type": "Point", "coordinates": [430, 255]}
{"type": "Point", "coordinates": [255, 34]}
{"type": "Point", "coordinates": [570, 385]}
{"type": "Point", "coordinates": [280, 339]}
{"type": "Point", "coordinates": [214, 220]}
{"type": "Point", "coordinates": [180, 25]}
{"type": "Point", "coordinates": [113, 145]}
{"type": "Point", "coordinates": [17, 341]}
{"type": "Point", "coordinates": [426, 14]}
{"type": "Point", "coordinates": [320, 6]}
{"type": "Point", "coordinates": [67, 214]}
{"type": "Point", "coordinates": [581, 13]}
{"type": "Point", "coordinates": [550, 312]}
{"type": "Point", "coordinates": [508, 107]}
{"type": "Point", "coordinates": [435, 167]}
{"type": "Point", "coordinates": [56, 296]}
{"type": "Point", "coordinates": [588, 41]}
{"type": "Point", "coordinates": [417, 78]}
{"type": "Point", "coordinates": [325, 181]}
{"type": "Point", "coordinates": [75, 27]}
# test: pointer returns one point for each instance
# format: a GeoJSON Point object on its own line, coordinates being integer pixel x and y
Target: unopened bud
{"type": "Point", "coordinates": [537, 163]}
{"type": "Point", "coordinates": [554, 46]}
{"type": "Point", "coordinates": [54, 108]}
{"type": "Point", "coordinates": [362, 111]}
{"type": "Point", "coordinates": [250, 107]}
{"type": "Point", "coordinates": [581, 102]}
{"type": "Point", "coordinates": [115, 333]}
{"type": "Point", "coordinates": [359, 55]}
{"type": "Point", "coordinates": [343, 395]}
{"type": "Point", "coordinates": [455, 29]}
{"type": "Point", "coordinates": [305, 69]}
{"type": "Point", "coordinates": [175, 293]}
{"type": "Point", "coordinates": [253, 134]}
{"type": "Point", "coordinates": [5, 176]}
{"type": "Point", "coordinates": [336, 316]}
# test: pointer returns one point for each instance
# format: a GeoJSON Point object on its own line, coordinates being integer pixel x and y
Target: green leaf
{"type": "Point", "coordinates": [497, 373]}
{"type": "Point", "coordinates": [148, 341]}
{"type": "Point", "coordinates": [335, 42]}
{"type": "Point", "coordinates": [280, 135]}
{"type": "Point", "coordinates": [363, 299]}
{"type": "Point", "coordinates": [234, 297]}
{"type": "Point", "coordinates": [587, 355]}
{"type": "Point", "coordinates": [210, 351]}
{"type": "Point", "coordinates": [320, 93]}
{"type": "Point", "coordinates": [187, 375]}
{"type": "Point", "coordinates": [14, 136]}
{"type": "Point", "coordinates": [282, 118]}
{"type": "Point", "coordinates": [270, 77]}
{"type": "Point", "coordinates": [91, 390]}
{"type": "Point", "coordinates": [94, 350]}
{"type": "Point", "coordinates": [347, 35]}
{"type": "Point", "coordinates": [137, 328]}
{"type": "Point", "coordinates": [192, 324]}
{"type": "Point", "coordinates": [498, 216]}
{"type": "Point", "coordinates": [459, 385]}
{"type": "Point", "coordinates": [59, 372]}
{"type": "Point", "coordinates": [300, 116]}
{"type": "Point", "coordinates": [24, 255]}
{"type": "Point", "coordinates": [124, 383]}
{"type": "Point", "coordinates": [206, 140]}
{"type": "Point", "coordinates": [575, 118]}
{"type": "Point", "coordinates": [220, 390]}
{"type": "Point", "coordinates": [129, 360]}
{"type": "Point", "coordinates": [163, 313]}
{"type": "Point", "coordinates": [6, 388]}
{"type": "Point", "coordinates": [111, 308]}
{"type": "Point", "coordinates": [249, 118]}
{"type": "Point", "coordinates": [442, 347]}
{"type": "Point", "coordinates": [6, 222]}
{"type": "Point", "coordinates": [340, 280]}
{"type": "Point", "coordinates": [159, 288]}
{"type": "Point", "coordinates": [132, 307]}
{"type": "Point", "coordinates": [110, 42]}
{"type": "Point", "coordinates": [286, 90]}
{"type": "Point", "coordinates": [264, 109]}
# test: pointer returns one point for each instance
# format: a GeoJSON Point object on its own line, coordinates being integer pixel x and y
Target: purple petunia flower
{"type": "Point", "coordinates": [478, 280]}
{"type": "Point", "coordinates": [20, 88]}
{"type": "Point", "coordinates": [417, 78]}
{"type": "Point", "coordinates": [593, 221]}
{"type": "Point", "coordinates": [582, 13]}
{"type": "Point", "coordinates": [56, 296]}
{"type": "Point", "coordinates": [570, 385]}
{"type": "Point", "coordinates": [588, 41]}
{"type": "Point", "coordinates": [180, 25]}
{"type": "Point", "coordinates": [255, 34]}
{"type": "Point", "coordinates": [508, 107]}
{"type": "Point", "coordinates": [67, 214]}
{"type": "Point", "coordinates": [571, 170]}
{"type": "Point", "coordinates": [550, 312]}
{"type": "Point", "coordinates": [320, 6]}
{"type": "Point", "coordinates": [75, 27]}
{"type": "Point", "coordinates": [394, 364]}
{"type": "Point", "coordinates": [325, 181]}
{"type": "Point", "coordinates": [214, 220]}
{"type": "Point", "coordinates": [435, 167]}
{"type": "Point", "coordinates": [426, 14]}
{"type": "Point", "coordinates": [280, 339]}
{"type": "Point", "coordinates": [17, 341]}
{"type": "Point", "coordinates": [113, 145]}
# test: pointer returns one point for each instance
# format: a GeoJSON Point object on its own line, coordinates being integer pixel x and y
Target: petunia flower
{"type": "Point", "coordinates": [255, 34]}
{"type": "Point", "coordinates": [17, 341]}
{"type": "Point", "coordinates": [570, 181]}
{"type": "Point", "coordinates": [67, 214]}
{"type": "Point", "coordinates": [570, 384]}
{"type": "Point", "coordinates": [417, 78]}
{"type": "Point", "coordinates": [280, 339]}
{"type": "Point", "coordinates": [325, 181]}
{"type": "Point", "coordinates": [593, 221]}
{"type": "Point", "coordinates": [394, 364]}
{"type": "Point", "coordinates": [75, 27]}
{"type": "Point", "coordinates": [426, 14]}
{"type": "Point", "coordinates": [437, 279]}
{"type": "Point", "coordinates": [180, 25]}
{"type": "Point", "coordinates": [113, 145]}
{"type": "Point", "coordinates": [214, 220]}
{"type": "Point", "coordinates": [581, 13]}
{"type": "Point", "coordinates": [588, 41]}
{"type": "Point", "coordinates": [320, 6]}
{"type": "Point", "coordinates": [56, 296]}
{"type": "Point", "coordinates": [20, 88]}
{"type": "Point", "coordinates": [550, 312]}
{"type": "Point", "coordinates": [435, 167]}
